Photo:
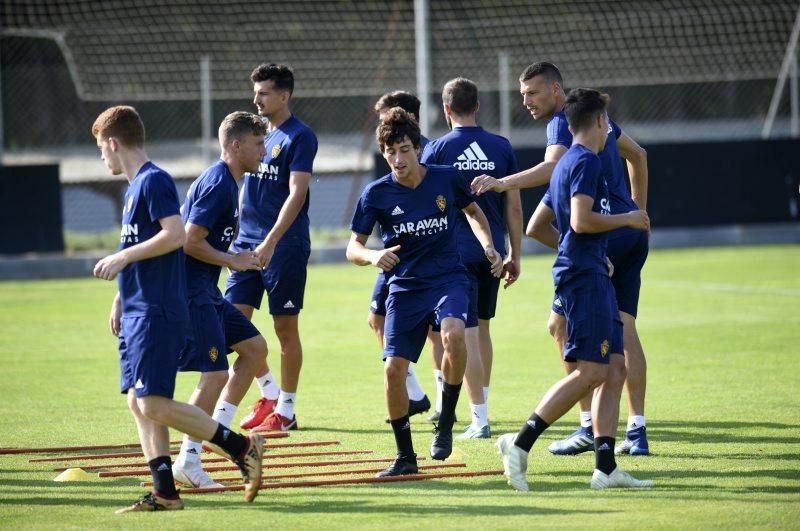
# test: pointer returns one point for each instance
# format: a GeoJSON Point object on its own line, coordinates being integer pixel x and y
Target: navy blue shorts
{"type": "Point", "coordinates": [594, 329]}
{"type": "Point", "coordinates": [284, 280]}
{"type": "Point", "coordinates": [410, 313]}
{"type": "Point", "coordinates": [485, 288]}
{"type": "Point", "coordinates": [628, 253]}
{"type": "Point", "coordinates": [212, 330]}
{"type": "Point", "coordinates": [380, 292]}
{"type": "Point", "coordinates": [149, 347]}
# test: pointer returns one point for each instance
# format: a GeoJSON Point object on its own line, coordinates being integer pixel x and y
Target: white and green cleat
{"type": "Point", "coordinates": [475, 433]}
{"type": "Point", "coordinates": [618, 479]}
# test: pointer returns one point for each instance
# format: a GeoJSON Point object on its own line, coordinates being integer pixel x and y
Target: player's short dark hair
{"type": "Point", "coordinates": [397, 124]}
{"type": "Point", "coordinates": [461, 95]}
{"type": "Point", "coordinates": [399, 98]}
{"type": "Point", "coordinates": [583, 105]}
{"type": "Point", "coordinates": [281, 76]}
{"type": "Point", "coordinates": [123, 123]}
{"type": "Point", "coordinates": [239, 124]}
{"type": "Point", "coordinates": [548, 70]}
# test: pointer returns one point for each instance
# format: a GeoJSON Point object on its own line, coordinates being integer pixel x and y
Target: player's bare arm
{"type": "Point", "coordinates": [298, 189]}
{"type": "Point", "coordinates": [198, 247]}
{"type": "Point", "coordinates": [480, 227]}
{"type": "Point", "coordinates": [115, 315]}
{"type": "Point", "coordinates": [636, 157]}
{"type": "Point", "coordinates": [359, 254]}
{"type": "Point", "coordinates": [171, 236]}
{"type": "Point", "coordinates": [513, 264]}
{"type": "Point", "coordinates": [540, 227]}
{"type": "Point", "coordinates": [583, 220]}
{"type": "Point", "coordinates": [530, 178]}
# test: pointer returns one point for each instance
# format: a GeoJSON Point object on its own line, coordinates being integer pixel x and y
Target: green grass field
{"type": "Point", "coordinates": [720, 326]}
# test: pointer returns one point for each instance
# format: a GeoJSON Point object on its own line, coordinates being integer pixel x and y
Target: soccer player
{"type": "Point", "coordinates": [475, 151]}
{"type": "Point", "coordinates": [580, 199]}
{"type": "Point", "coordinates": [210, 214]}
{"type": "Point", "coordinates": [274, 225]}
{"type": "Point", "coordinates": [415, 207]}
{"type": "Point", "coordinates": [418, 401]}
{"type": "Point", "coordinates": [149, 313]}
{"type": "Point", "coordinates": [541, 86]}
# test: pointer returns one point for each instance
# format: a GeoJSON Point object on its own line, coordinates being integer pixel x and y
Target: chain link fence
{"type": "Point", "coordinates": [677, 71]}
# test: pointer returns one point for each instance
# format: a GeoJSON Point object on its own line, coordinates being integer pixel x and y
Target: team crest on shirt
{"type": "Point", "coordinates": [213, 353]}
{"type": "Point", "coordinates": [441, 202]}
{"type": "Point", "coordinates": [604, 348]}
{"type": "Point", "coordinates": [276, 150]}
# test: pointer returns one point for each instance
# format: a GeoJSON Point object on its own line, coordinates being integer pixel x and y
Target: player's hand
{"type": "Point", "coordinates": [638, 219]}
{"type": "Point", "coordinates": [485, 183]}
{"type": "Point", "coordinates": [244, 261]}
{"type": "Point", "coordinates": [497, 261]}
{"type": "Point", "coordinates": [108, 267]}
{"type": "Point", "coordinates": [610, 266]}
{"type": "Point", "coordinates": [115, 315]}
{"type": "Point", "coordinates": [264, 253]}
{"type": "Point", "coordinates": [511, 270]}
{"type": "Point", "coordinates": [386, 259]}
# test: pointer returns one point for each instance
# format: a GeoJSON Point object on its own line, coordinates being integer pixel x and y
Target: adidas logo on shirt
{"type": "Point", "coordinates": [474, 158]}
{"type": "Point", "coordinates": [289, 304]}
{"type": "Point", "coordinates": [374, 305]}
{"type": "Point", "coordinates": [397, 211]}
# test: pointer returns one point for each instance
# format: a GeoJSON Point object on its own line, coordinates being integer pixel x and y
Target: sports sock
{"type": "Point", "coordinates": [269, 389]}
{"type": "Point", "coordinates": [586, 419]}
{"type": "Point", "coordinates": [230, 441]}
{"type": "Point", "coordinates": [486, 395]}
{"type": "Point", "coordinates": [402, 437]}
{"type": "Point", "coordinates": [286, 403]}
{"type": "Point", "coordinates": [604, 454]}
{"type": "Point", "coordinates": [533, 427]}
{"type": "Point", "coordinates": [636, 421]}
{"type": "Point", "coordinates": [480, 415]}
{"type": "Point", "coordinates": [413, 387]}
{"type": "Point", "coordinates": [190, 450]}
{"type": "Point", "coordinates": [163, 482]}
{"type": "Point", "coordinates": [439, 377]}
{"type": "Point", "coordinates": [224, 413]}
{"type": "Point", "coordinates": [450, 394]}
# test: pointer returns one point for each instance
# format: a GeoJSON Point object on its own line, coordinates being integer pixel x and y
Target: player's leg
{"type": "Point", "coordinates": [487, 354]}
{"type": "Point", "coordinates": [629, 255]}
{"type": "Point", "coordinates": [474, 373]}
{"type": "Point", "coordinates": [245, 290]}
{"type": "Point", "coordinates": [488, 289]}
{"type": "Point", "coordinates": [406, 326]}
{"type": "Point", "coordinates": [437, 353]}
{"type": "Point", "coordinates": [582, 439]}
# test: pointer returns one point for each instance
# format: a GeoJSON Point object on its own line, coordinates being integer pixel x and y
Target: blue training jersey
{"type": "Point", "coordinates": [421, 220]}
{"type": "Point", "coordinates": [155, 286]}
{"type": "Point", "coordinates": [613, 168]}
{"type": "Point", "coordinates": [476, 152]}
{"type": "Point", "coordinates": [578, 172]}
{"type": "Point", "coordinates": [291, 146]}
{"type": "Point", "coordinates": [211, 202]}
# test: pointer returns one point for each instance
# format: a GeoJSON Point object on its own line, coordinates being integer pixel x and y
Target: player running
{"type": "Point", "coordinates": [211, 215]}
{"type": "Point", "coordinates": [149, 313]}
{"type": "Point", "coordinates": [541, 86]}
{"type": "Point", "coordinates": [418, 401]}
{"type": "Point", "coordinates": [476, 151]}
{"type": "Point", "coordinates": [274, 225]}
{"type": "Point", "coordinates": [415, 207]}
{"type": "Point", "coordinates": [580, 199]}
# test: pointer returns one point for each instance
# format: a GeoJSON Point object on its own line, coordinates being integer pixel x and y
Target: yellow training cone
{"type": "Point", "coordinates": [73, 474]}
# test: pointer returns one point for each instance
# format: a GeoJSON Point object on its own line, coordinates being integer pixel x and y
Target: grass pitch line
{"type": "Point", "coordinates": [59, 449]}
{"type": "Point", "coordinates": [350, 481]}
{"type": "Point", "coordinates": [234, 479]}
{"type": "Point", "coordinates": [289, 464]}
{"type": "Point", "coordinates": [223, 459]}
{"type": "Point", "coordinates": [123, 455]}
